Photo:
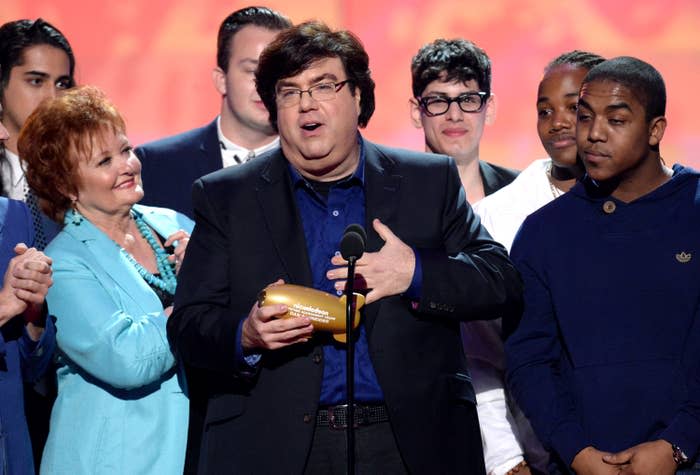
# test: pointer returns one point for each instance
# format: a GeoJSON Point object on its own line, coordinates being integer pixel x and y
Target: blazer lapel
{"type": "Point", "coordinates": [382, 185]}
{"type": "Point", "coordinates": [211, 149]}
{"type": "Point", "coordinates": [108, 256]}
{"type": "Point", "coordinates": [281, 215]}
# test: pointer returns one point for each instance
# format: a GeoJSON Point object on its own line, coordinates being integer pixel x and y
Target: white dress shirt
{"type": "Point", "coordinates": [234, 154]}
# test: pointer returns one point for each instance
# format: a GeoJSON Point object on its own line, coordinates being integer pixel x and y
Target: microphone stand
{"type": "Point", "coordinates": [350, 364]}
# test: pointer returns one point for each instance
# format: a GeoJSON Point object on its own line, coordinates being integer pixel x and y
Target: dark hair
{"type": "Point", "coordinates": [577, 58]}
{"type": "Point", "coordinates": [59, 133]}
{"type": "Point", "coordinates": [295, 49]}
{"type": "Point", "coordinates": [641, 78]}
{"type": "Point", "coordinates": [450, 60]}
{"type": "Point", "coordinates": [16, 36]}
{"type": "Point", "coordinates": [257, 16]}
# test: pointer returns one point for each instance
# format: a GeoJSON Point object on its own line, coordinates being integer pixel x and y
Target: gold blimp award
{"type": "Point", "coordinates": [326, 312]}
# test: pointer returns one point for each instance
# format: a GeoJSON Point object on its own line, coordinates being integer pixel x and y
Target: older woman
{"type": "Point", "coordinates": [120, 405]}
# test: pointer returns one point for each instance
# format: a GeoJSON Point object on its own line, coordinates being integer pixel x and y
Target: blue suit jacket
{"type": "Point", "coordinates": [120, 406]}
{"type": "Point", "coordinates": [172, 164]}
{"type": "Point", "coordinates": [20, 358]}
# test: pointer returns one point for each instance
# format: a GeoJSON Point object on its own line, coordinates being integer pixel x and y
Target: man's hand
{"type": "Point", "coordinates": [387, 272]}
{"type": "Point", "coordinates": [649, 458]}
{"type": "Point", "coordinates": [262, 330]}
{"type": "Point", "coordinates": [589, 461]}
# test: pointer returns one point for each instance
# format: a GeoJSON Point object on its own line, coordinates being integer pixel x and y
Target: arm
{"type": "Point", "coordinates": [96, 331]}
{"type": "Point", "coordinates": [533, 359]}
{"type": "Point", "coordinates": [469, 277]}
{"type": "Point", "coordinates": [35, 356]}
{"type": "Point", "coordinates": [472, 277]}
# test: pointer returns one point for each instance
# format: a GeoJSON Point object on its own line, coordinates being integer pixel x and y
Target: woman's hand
{"type": "Point", "coordinates": [178, 255]}
{"type": "Point", "coordinates": [26, 283]}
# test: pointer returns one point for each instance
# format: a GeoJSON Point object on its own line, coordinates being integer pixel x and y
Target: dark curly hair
{"type": "Point", "coordinates": [450, 60]}
{"type": "Point", "coordinates": [295, 49]}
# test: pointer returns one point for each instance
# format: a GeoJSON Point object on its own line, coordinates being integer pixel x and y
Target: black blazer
{"type": "Point", "coordinates": [249, 234]}
{"type": "Point", "coordinates": [495, 177]}
{"type": "Point", "coordinates": [169, 166]}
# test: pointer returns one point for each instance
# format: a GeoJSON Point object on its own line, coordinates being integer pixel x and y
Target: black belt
{"type": "Point", "coordinates": [336, 417]}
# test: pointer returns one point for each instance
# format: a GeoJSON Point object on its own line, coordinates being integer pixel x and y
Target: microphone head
{"type": "Point", "coordinates": [352, 246]}
{"type": "Point", "coordinates": [356, 228]}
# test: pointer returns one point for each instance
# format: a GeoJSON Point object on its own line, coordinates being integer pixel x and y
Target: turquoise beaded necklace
{"type": "Point", "coordinates": [167, 281]}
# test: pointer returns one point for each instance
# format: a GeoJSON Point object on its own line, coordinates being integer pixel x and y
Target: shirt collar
{"type": "Point", "coordinates": [358, 175]}
{"type": "Point", "coordinates": [230, 149]}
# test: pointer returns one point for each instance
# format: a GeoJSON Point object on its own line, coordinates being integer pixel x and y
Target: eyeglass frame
{"type": "Point", "coordinates": [337, 86]}
{"type": "Point", "coordinates": [483, 97]}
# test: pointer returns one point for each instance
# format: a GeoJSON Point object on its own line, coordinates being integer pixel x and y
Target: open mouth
{"type": "Point", "coordinates": [311, 126]}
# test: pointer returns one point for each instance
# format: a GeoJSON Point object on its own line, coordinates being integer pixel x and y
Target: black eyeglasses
{"type": "Point", "coordinates": [325, 91]}
{"type": "Point", "coordinates": [467, 102]}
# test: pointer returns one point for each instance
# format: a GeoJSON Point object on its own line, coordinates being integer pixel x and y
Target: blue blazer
{"type": "Point", "coordinates": [169, 166]}
{"type": "Point", "coordinates": [120, 406]}
{"type": "Point", "coordinates": [20, 358]}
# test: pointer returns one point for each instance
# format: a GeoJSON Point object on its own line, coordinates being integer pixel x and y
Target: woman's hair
{"type": "Point", "coordinates": [59, 133]}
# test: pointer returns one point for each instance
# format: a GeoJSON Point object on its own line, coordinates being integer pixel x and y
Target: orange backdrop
{"type": "Point", "coordinates": [154, 57]}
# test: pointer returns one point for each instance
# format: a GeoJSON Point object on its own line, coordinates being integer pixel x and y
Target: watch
{"type": "Point", "coordinates": [678, 456]}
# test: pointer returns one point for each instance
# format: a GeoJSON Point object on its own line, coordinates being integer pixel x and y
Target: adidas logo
{"type": "Point", "coordinates": [684, 257]}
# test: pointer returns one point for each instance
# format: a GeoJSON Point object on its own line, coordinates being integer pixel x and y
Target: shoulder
{"type": "Point", "coordinates": [498, 171]}
{"type": "Point", "coordinates": [190, 138]}
{"type": "Point", "coordinates": [402, 159]}
{"type": "Point", "coordinates": [520, 191]}
{"type": "Point", "coordinates": [165, 219]}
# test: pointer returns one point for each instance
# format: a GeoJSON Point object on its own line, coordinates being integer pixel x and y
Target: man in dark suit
{"type": "Point", "coordinates": [447, 71]}
{"type": "Point", "coordinates": [242, 130]}
{"type": "Point", "coordinates": [275, 388]}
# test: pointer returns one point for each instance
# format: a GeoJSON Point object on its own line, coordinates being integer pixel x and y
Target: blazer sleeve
{"type": "Point", "coordinates": [36, 356]}
{"type": "Point", "coordinates": [96, 331]}
{"type": "Point", "coordinates": [202, 328]}
{"type": "Point", "coordinates": [533, 359]}
{"type": "Point", "coordinates": [471, 276]}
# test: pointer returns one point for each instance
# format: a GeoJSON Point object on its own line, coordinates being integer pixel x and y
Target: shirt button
{"type": "Point", "coordinates": [609, 207]}
{"type": "Point", "coordinates": [337, 253]}
{"type": "Point", "coordinates": [339, 293]}
{"type": "Point", "coordinates": [335, 213]}
{"type": "Point", "coordinates": [307, 418]}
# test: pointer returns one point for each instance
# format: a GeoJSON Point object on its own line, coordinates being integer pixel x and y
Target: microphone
{"type": "Point", "coordinates": [352, 245]}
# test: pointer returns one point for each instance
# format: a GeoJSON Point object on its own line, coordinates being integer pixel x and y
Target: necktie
{"type": "Point", "coordinates": [37, 219]}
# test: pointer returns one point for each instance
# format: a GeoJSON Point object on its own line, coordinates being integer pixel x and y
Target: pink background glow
{"type": "Point", "coordinates": [154, 58]}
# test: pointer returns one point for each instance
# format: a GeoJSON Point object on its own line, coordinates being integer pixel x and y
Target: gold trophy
{"type": "Point", "coordinates": [327, 312]}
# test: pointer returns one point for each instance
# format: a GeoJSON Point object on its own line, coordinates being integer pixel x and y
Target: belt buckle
{"type": "Point", "coordinates": [333, 422]}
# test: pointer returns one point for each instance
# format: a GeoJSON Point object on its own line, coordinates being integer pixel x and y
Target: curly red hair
{"type": "Point", "coordinates": [56, 135]}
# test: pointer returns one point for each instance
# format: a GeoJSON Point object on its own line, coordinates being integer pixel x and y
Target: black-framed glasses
{"type": "Point", "coordinates": [467, 102]}
{"type": "Point", "coordinates": [325, 91]}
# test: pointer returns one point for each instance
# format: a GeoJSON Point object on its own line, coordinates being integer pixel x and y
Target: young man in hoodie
{"type": "Point", "coordinates": [605, 361]}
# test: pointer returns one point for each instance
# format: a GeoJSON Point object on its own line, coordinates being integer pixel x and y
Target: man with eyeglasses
{"type": "Point", "coordinates": [452, 103]}
{"type": "Point", "coordinates": [447, 72]}
{"type": "Point", "coordinates": [277, 388]}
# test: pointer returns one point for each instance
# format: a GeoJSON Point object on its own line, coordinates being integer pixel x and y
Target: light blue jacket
{"type": "Point", "coordinates": [121, 408]}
